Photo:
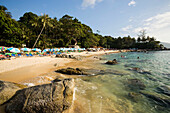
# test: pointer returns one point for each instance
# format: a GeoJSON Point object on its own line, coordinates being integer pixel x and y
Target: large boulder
{"type": "Point", "coordinates": [48, 98]}
{"type": "Point", "coordinates": [8, 89]}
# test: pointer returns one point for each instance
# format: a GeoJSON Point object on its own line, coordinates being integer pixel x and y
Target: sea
{"type": "Point", "coordinates": [134, 85]}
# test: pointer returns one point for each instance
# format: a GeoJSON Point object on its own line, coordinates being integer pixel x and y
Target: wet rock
{"type": "Point", "coordinates": [158, 99]}
{"type": "Point", "coordinates": [136, 84]}
{"type": "Point", "coordinates": [164, 89]}
{"type": "Point", "coordinates": [112, 62]}
{"type": "Point", "coordinates": [71, 71]}
{"type": "Point", "coordinates": [80, 71]}
{"type": "Point", "coordinates": [48, 98]}
{"type": "Point", "coordinates": [8, 89]}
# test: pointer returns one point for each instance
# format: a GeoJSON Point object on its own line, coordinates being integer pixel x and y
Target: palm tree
{"type": "Point", "coordinates": [46, 21]}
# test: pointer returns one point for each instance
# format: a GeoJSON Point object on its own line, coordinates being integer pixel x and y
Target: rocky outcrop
{"type": "Point", "coordinates": [8, 89]}
{"type": "Point", "coordinates": [48, 98]}
{"type": "Point", "coordinates": [164, 89]}
{"type": "Point", "coordinates": [112, 62]}
{"type": "Point", "coordinates": [136, 84]}
{"type": "Point", "coordinates": [158, 99]}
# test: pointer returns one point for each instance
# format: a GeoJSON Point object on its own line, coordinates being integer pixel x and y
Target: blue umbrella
{"type": "Point", "coordinates": [52, 50]}
{"type": "Point", "coordinates": [25, 49]}
{"type": "Point", "coordinates": [36, 49]}
{"type": "Point", "coordinates": [57, 49]}
{"type": "Point", "coordinates": [45, 50]}
{"type": "Point", "coordinates": [14, 50]}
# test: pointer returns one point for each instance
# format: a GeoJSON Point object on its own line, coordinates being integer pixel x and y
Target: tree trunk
{"type": "Point", "coordinates": [39, 36]}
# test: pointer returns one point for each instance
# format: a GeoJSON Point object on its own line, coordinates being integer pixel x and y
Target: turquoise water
{"type": "Point", "coordinates": [114, 92]}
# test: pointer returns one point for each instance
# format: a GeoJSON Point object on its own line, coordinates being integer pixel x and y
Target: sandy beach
{"type": "Point", "coordinates": [25, 68]}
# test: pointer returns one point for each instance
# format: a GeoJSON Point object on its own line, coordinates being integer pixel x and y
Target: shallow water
{"type": "Point", "coordinates": [109, 92]}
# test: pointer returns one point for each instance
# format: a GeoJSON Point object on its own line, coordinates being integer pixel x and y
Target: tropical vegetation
{"type": "Point", "coordinates": [46, 32]}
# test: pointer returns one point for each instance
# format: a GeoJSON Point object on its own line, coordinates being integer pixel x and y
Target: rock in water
{"type": "Point", "coordinates": [48, 98]}
{"type": "Point", "coordinates": [136, 84]}
{"type": "Point", "coordinates": [112, 62]}
{"type": "Point", "coordinates": [8, 89]}
{"type": "Point", "coordinates": [158, 99]}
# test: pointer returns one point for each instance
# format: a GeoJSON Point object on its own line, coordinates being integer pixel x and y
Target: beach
{"type": "Point", "coordinates": [25, 68]}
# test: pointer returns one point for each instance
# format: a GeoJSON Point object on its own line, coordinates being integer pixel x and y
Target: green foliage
{"type": "Point", "coordinates": [62, 33]}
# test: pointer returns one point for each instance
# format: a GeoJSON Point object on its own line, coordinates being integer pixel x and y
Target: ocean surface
{"type": "Point", "coordinates": [131, 86]}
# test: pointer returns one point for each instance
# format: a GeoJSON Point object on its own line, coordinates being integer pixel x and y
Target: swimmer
{"type": "Point", "coordinates": [137, 57]}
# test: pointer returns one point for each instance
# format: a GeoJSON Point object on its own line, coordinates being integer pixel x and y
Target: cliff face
{"type": "Point", "coordinates": [48, 98]}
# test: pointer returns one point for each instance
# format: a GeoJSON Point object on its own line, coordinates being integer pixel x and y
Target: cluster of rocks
{"type": "Point", "coordinates": [138, 87]}
{"type": "Point", "coordinates": [78, 57]}
{"type": "Point", "coordinates": [55, 97]}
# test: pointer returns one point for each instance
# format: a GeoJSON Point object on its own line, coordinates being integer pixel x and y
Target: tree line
{"type": "Point", "coordinates": [46, 32]}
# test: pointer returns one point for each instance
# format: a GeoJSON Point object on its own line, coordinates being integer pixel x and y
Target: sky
{"type": "Point", "coordinates": [111, 17]}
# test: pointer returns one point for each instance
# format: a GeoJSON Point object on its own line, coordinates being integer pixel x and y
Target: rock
{"type": "Point", "coordinates": [8, 89]}
{"type": "Point", "coordinates": [136, 84]}
{"type": "Point", "coordinates": [55, 64]}
{"type": "Point", "coordinates": [158, 99]}
{"type": "Point", "coordinates": [78, 71]}
{"type": "Point", "coordinates": [48, 98]}
{"type": "Point", "coordinates": [112, 62]}
{"type": "Point", "coordinates": [164, 89]}
{"type": "Point", "coordinates": [102, 58]}
{"type": "Point", "coordinates": [71, 71]}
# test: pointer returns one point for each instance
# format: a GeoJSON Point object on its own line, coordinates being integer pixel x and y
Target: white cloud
{"type": "Point", "coordinates": [127, 28]}
{"type": "Point", "coordinates": [132, 3]}
{"type": "Point", "coordinates": [157, 26]}
{"type": "Point", "coordinates": [91, 3]}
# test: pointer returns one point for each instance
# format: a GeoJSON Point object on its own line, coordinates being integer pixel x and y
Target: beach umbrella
{"type": "Point", "coordinates": [45, 50]}
{"type": "Point", "coordinates": [8, 54]}
{"type": "Point", "coordinates": [57, 49]}
{"type": "Point", "coordinates": [14, 50]}
{"type": "Point", "coordinates": [36, 49]}
{"type": "Point", "coordinates": [3, 48]}
{"type": "Point", "coordinates": [52, 50]}
{"type": "Point", "coordinates": [25, 49]}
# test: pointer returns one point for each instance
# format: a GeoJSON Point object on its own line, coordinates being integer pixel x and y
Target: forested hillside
{"type": "Point", "coordinates": [45, 32]}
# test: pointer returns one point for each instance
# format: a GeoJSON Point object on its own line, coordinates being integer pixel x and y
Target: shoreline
{"type": "Point", "coordinates": [23, 69]}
